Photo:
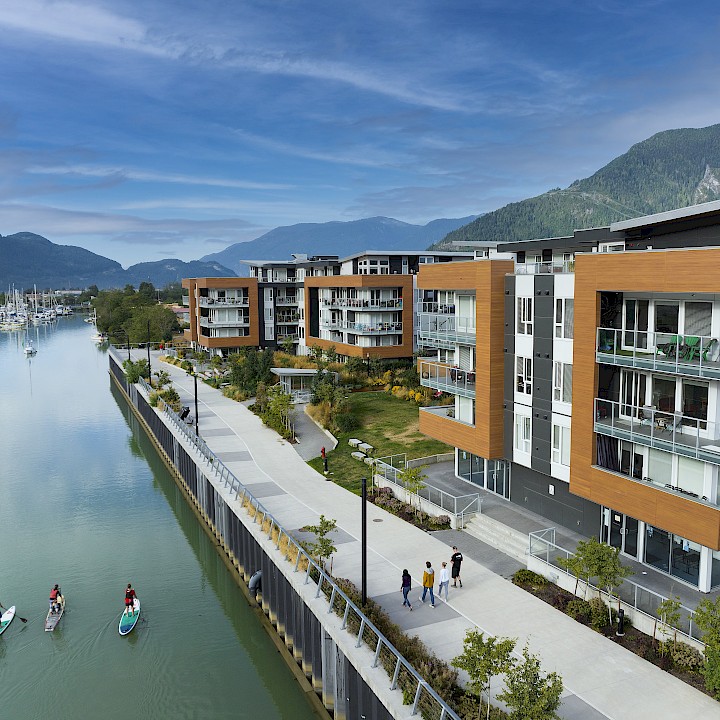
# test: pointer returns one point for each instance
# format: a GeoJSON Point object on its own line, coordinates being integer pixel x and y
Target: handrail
{"type": "Point", "coordinates": [542, 551]}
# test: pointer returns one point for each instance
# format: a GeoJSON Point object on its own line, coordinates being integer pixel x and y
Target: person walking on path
{"type": "Point", "coordinates": [428, 582]}
{"type": "Point", "coordinates": [456, 559]}
{"type": "Point", "coordinates": [444, 581]}
{"type": "Point", "coordinates": [405, 587]}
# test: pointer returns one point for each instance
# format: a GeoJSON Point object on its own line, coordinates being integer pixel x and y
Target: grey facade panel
{"type": "Point", "coordinates": [509, 367]}
{"type": "Point", "coordinates": [532, 490]}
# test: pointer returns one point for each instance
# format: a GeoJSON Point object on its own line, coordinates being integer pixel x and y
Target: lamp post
{"type": "Point", "coordinates": [363, 545]}
{"type": "Point", "coordinates": [197, 432]}
{"type": "Point", "coordinates": [148, 353]}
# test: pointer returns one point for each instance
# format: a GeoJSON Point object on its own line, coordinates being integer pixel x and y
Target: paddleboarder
{"type": "Point", "coordinates": [129, 599]}
{"type": "Point", "coordinates": [55, 595]}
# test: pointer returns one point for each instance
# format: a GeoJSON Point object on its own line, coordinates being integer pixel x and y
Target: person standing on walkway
{"type": "Point", "coordinates": [444, 581]}
{"type": "Point", "coordinates": [456, 559]}
{"type": "Point", "coordinates": [428, 582]}
{"type": "Point", "coordinates": [405, 587]}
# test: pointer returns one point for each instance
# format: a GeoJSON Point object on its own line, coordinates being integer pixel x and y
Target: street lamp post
{"type": "Point", "coordinates": [148, 352]}
{"type": "Point", "coordinates": [363, 545]}
{"type": "Point", "coordinates": [197, 432]}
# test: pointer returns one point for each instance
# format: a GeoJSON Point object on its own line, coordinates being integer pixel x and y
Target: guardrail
{"type": "Point", "coordinates": [405, 677]}
{"type": "Point", "coordinates": [391, 469]}
{"type": "Point", "coordinates": [641, 599]}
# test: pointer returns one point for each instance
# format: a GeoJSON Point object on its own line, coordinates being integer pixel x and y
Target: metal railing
{"type": "Point", "coordinates": [446, 411]}
{"type": "Point", "coordinates": [449, 328]}
{"type": "Point", "coordinates": [287, 301]}
{"type": "Point", "coordinates": [447, 378]}
{"type": "Point", "coordinates": [404, 676]}
{"type": "Point", "coordinates": [641, 599]}
{"type": "Point", "coordinates": [391, 468]}
{"type": "Point", "coordinates": [243, 321]}
{"type": "Point", "coordinates": [363, 303]}
{"type": "Point", "coordinates": [695, 355]}
{"type": "Point", "coordinates": [545, 268]}
{"type": "Point", "coordinates": [665, 430]}
{"type": "Point", "coordinates": [380, 327]}
{"type": "Point", "coordinates": [227, 302]}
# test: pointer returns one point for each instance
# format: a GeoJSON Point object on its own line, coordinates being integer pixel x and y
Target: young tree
{"type": "Point", "coordinates": [576, 565]}
{"type": "Point", "coordinates": [323, 547]}
{"type": "Point", "coordinates": [610, 572]}
{"type": "Point", "coordinates": [288, 345]}
{"type": "Point", "coordinates": [163, 378]}
{"type": "Point", "coordinates": [707, 618]}
{"type": "Point", "coordinates": [413, 478]}
{"type": "Point", "coordinates": [331, 354]}
{"type": "Point", "coordinates": [528, 693]}
{"type": "Point", "coordinates": [668, 612]}
{"type": "Point", "coordinates": [316, 356]}
{"type": "Point", "coordinates": [482, 659]}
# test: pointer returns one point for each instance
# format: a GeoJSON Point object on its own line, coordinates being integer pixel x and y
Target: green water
{"type": "Point", "coordinates": [86, 502]}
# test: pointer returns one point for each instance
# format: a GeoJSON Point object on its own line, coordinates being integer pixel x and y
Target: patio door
{"type": "Point", "coordinates": [635, 324]}
{"type": "Point", "coordinates": [632, 392]}
{"type": "Point", "coordinates": [622, 533]}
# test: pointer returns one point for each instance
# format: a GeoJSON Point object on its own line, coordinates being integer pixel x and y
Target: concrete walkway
{"type": "Point", "coordinates": [602, 680]}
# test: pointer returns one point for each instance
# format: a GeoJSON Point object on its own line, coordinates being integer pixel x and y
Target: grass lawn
{"type": "Point", "coordinates": [390, 425]}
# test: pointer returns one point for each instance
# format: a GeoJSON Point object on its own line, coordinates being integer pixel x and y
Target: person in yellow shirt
{"type": "Point", "coordinates": [428, 582]}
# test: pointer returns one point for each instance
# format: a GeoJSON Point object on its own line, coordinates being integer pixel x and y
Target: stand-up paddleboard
{"type": "Point", "coordinates": [129, 620]}
{"type": "Point", "coordinates": [53, 618]}
{"type": "Point", "coordinates": [6, 618]}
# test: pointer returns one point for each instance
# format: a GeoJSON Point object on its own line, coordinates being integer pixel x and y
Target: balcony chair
{"type": "Point", "coordinates": [691, 347]}
{"type": "Point", "coordinates": [670, 347]}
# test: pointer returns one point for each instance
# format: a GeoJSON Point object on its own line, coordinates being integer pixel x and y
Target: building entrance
{"type": "Point", "coordinates": [621, 531]}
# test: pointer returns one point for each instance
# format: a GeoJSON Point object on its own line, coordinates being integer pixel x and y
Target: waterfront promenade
{"type": "Point", "coordinates": [602, 680]}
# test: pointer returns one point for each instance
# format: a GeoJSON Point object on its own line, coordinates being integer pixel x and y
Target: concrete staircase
{"type": "Point", "coordinates": [506, 539]}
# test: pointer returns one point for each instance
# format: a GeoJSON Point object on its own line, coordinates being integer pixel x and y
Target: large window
{"type": "Point", "coordinates": [695, 400]}
{"type": "Point", "coordinates": [524, 315]}
{"type": "Point", "coordinates": [666, 317]}
{"type": "Point", "coordinates": [562, 382]}
{"type": "Point", "coordinates": [564, 311]}
{"type": "Point", "coordinates": [523, 439]}
{"type": "Point", "coordinates": [635, 320]}
{"type": "Point", "coordinates": [663, 394]}
{"type": "Point", "coordinates": [524, 375]}
{"type": "Point", "coordinates": [561, 445]}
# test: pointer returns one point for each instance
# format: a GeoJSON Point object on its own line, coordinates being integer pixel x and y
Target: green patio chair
{"type": "Point", "coordinates": [670, 347]}
{"type": "Point", "coordinates": [691, 347]}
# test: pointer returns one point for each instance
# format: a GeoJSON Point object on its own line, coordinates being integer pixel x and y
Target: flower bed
{"type": "Point", "coordinates": [384, 498]}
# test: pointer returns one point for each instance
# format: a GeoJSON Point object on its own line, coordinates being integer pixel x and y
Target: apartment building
{"type": "Point", "coordinates": [588, 387]}
{"type": "Point", "coordinates": [222, 313]}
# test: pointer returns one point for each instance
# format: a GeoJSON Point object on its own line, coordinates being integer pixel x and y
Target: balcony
{"type": "Point", "coordinates": [186, 300]}
{"type": "Point", "coordinates": [545, 268]}
{"type": "Point", "coordinates": [447, 379]}
{"type": "Point", "coordinates": [445, 412]}
{"type": "Point", "coordinates": [672, 432]}
{"type": "Point", "coordinates": [213, 323]}
{"type": "Point", "coordinates": [445, 329]}
{"type": "Point", "coordinates": [363, 328]}
{"type": "Point", "coordinates": [286, 301]}
{"type": "Point", "coordinates": [362, 303]}
{"type": "Point", "coordinates": [691, 355]}
{"type": "Point", "coordinates": [225, 302]}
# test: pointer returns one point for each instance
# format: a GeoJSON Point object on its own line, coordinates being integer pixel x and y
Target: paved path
{"type": "Point", "coordinates": [602, 680]}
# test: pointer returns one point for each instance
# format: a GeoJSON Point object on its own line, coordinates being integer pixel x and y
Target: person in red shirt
{"type": "Point", "coordinates": [55, 595]}
{"type": "Point", "coordinates": [129, 599]}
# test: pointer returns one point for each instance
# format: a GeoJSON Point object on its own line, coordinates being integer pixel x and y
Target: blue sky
{"type": "Point", "coordinates": [173, 129]}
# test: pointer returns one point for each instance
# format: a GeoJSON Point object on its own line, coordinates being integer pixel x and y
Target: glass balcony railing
{"type": "Point", "coordinates": [213, 322]}
{"type": "Point", "coordinates": [670, 431]}
{"type": "Point", "coordinates": [380, 328]}
{"type": "Point", "coordinates": [444, 411]}
{"type": "Point", "coordinates": [225, 302]}
{"type": "Point", "coordinates": [287, 300]}
{"type": "Point", "coordinates": [447, 379]}
{"type": "Point", "coordinates": [445, 328]}
{"type": "Point", "coordinates": [545, 268]}
{"type": "Point", "coordinates": [363, 303]}
{"type": "Point", "coordinates": [695, 355]}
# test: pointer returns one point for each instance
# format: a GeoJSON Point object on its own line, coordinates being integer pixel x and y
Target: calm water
{"type": "Point", "coordinates": [86, 502]}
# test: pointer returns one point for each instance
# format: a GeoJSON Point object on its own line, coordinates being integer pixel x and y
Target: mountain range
{"type": "Point", "coordinates": [28, 260]}
{"type": "Point", "coordinates": [336, 238]}
{"type": "Point", "coordinates": [669, 170]}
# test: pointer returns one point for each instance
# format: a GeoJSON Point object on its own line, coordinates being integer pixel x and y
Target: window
{"type": "Point", "coordinates": [524, 316]}
{"type": "Point", "coordinates": [524, 375]}
{"type": "Point", "coordinates": [564, 311]}
{"type": "Point", "coordinates": [522, 433]}
{"type": "Point", "coordinates": [561, 445]}
{"type": "Point", "coordinates": [666, 317]}
{"type": "Point", "coordinates": [695, 400]}
{"type": "Point", "coordinates": [562, 382]}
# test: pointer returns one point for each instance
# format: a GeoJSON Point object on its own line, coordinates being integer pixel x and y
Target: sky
{"type": "Point", "coordinates": [148, 130]}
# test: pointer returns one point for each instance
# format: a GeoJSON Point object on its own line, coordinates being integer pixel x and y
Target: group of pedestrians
{"type": "Point", "coordinates": [428, 581]}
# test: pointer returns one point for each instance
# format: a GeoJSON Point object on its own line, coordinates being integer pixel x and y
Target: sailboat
{"type": "Point", "coordinates": [29, 348]}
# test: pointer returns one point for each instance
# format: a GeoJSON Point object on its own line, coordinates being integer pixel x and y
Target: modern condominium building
{"type": "Point", "coordinates": [586, 376]}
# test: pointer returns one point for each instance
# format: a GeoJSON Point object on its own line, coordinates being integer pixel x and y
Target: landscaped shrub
{"type": "Point", "coordinates": [598, 614]}
{"type": "Point", "coordinates": [346, 422]}
{"type": "Point", "coordinates": [528, 577]}
{"type": "Point", "coordinates": [579, 610]}
{"type": "Point", "coordinates": [686, 657]}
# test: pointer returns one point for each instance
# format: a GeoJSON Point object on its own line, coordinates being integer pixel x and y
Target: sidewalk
{"type": "Point", "coordinates": [602, 680]}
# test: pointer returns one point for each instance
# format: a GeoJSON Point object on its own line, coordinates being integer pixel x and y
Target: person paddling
{"type": "Point", "coordinates": [55, 596]}
{"type": "Point", "coordinates": [130, 600]}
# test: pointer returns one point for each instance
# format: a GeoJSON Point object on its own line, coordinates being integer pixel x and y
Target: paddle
{"type": "Point", "coordinates": [16, 615]}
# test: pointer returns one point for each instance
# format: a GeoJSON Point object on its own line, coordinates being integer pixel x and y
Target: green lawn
{"type": "Point", "coordinates": [390, 425]}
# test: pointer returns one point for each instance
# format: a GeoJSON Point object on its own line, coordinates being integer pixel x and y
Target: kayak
{"type": "Point", "coordinates": [53, 618]}
{"type": "Point", "coordinates": [129, 620]}
{"type": "Point", "coordinates": [6, 618]}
